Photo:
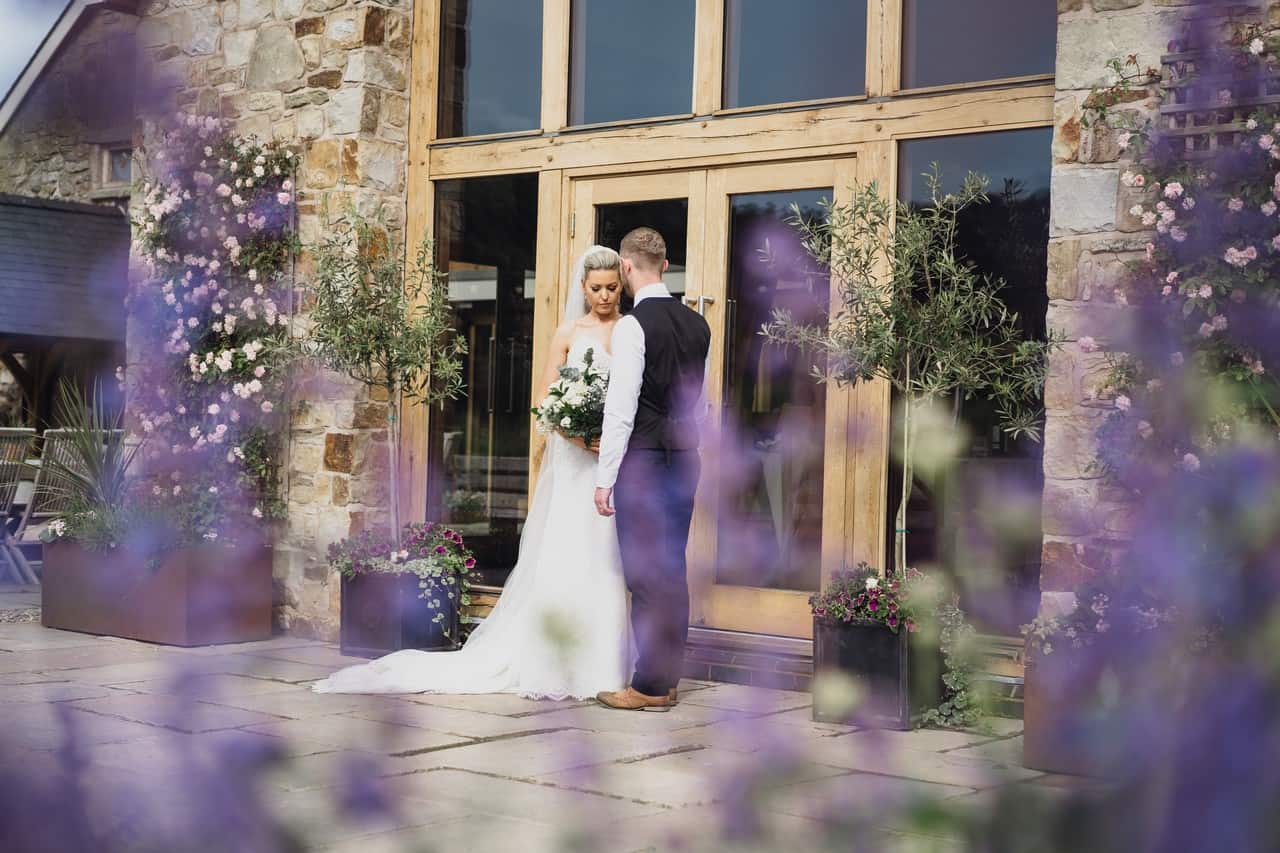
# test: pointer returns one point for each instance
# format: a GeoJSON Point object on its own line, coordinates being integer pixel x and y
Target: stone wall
{"type": "Point", "coordinates": [330, 76]}
{"type": "Point", "coordinates": [1092, 236]}
{"type": "Point", "coordinates": [84, 99]}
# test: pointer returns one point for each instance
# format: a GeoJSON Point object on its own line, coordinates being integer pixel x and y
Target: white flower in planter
{"type": "Point", "coordinates": [872, 583]}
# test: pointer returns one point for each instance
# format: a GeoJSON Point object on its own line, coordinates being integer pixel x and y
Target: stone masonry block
{"type": "Point", "coordinates": [339, 452]}
{"type": "Point", "coordinates": [1084, 200]}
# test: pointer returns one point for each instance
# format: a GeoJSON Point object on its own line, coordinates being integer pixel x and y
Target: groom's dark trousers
{"type": "Point", "coordinates": [653, 498]}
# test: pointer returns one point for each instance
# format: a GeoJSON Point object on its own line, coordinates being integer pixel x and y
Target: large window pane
{"type": "Point", "coordinates": [981, 523]}
{"type": "Point", "coordinates": [668, 216]}
{"type": "Point", "coordinates": [962, 41]}
{"type": "Point", "coordinates": [486, 240]}
{"type": "Point", "coordinates": [631, 60]}
{"type": "Point", "coordinates": [490, 66]}
{"type": "Point", "coordinates": [769, 526]}
{"type": "Point", "coordinates": [801, 50]}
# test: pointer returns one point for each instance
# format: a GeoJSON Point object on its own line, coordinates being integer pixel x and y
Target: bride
{"type": "Point", "coordinates": [560, 627]}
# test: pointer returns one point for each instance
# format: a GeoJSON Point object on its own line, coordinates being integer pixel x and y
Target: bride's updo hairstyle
{"type": "Point", "coordinates": [599, 258]}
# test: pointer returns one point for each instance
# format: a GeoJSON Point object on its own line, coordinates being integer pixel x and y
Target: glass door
{"type": "Point", "coordinates": [770, 521]}
{"type": "Point", "coordinates": [774, 482]}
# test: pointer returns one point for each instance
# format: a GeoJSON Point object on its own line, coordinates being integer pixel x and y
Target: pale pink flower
{"type": "Point", "coordinates": [284, 198]}
{"type": "Point", "coordinates": [287, 185]}
{"type": "Point", "coordinates": [1123, 140]}
{"type": "Point", "coordinates": [1235, 205]}
{"type": "Point", "coordinates": [1173, 189]}
{"type": "Point", "coordinates": [1166, 290]}
{"type": "Point", "coordinates": [1205, 291]}
{"type": "Point", "coordinates": [267, 407]}
{"type": "Point", "coordinates": [1188, 203]}
{"type": "Point", "coordinates": [1148, 219]}
{"type": "Point", "coordinates": [1268, 208]}
{"type": "Point", "coordinates": [259, 371]}
{"type": "Point", "coordinates": [223, 190]}
{"type": "Point", "coordinates": [1257, 46]}
{"type": "Point", "coordinates": [1172, 277]}
{"type": "Point", "coordinates": [1176, 359]}
{"type": "Point", "coordinates": [1123, 403]}
{"type": "Point", "coordinates": [1205, 330]}
{"type": "Point", "coordinates": [1191, 462]}
{"type": "Point", "coordinates": [1088, 344]}
{"type": "Point", "coordinates": [214, 408]}
{"type": "Point", "coordinates": [1145, 429]}
{"type": "Point", "coordinates": [1178, 233]}
{"type": "Point", "coordinates": [1219, 322]}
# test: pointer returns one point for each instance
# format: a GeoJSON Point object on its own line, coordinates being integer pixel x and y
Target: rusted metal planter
{"type": "Point", "coordinates": [195, 596]}
{"type": "Point", "coordinates": [384, 613]}
{"type": "Point", "coordinates": [1061, 711]}
{"type": "Point", "coordinates": [900, 676]}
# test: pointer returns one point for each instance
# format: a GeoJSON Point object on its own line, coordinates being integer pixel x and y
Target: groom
{"type": "Point", "coordinates": [648, 469]}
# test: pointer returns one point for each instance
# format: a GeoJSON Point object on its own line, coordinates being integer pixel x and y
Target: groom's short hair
{"type": "Point", "coordinates": [645, 248]}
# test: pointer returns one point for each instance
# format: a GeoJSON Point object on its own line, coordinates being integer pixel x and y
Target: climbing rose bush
{"type": "Point", "coordinates": [215, 239]}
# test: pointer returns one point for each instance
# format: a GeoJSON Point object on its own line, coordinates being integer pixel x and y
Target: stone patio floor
{"type": "Point", "coordinates": [161, 727]}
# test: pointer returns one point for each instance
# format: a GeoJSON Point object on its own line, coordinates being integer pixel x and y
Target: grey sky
{"type": "Point", "coordinates": [23, 24]}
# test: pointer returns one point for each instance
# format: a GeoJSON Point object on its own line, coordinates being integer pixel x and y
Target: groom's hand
{"type": "Point", "coordinates": [604, 498]}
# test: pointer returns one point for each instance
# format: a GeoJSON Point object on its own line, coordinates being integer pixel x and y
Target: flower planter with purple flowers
{"type": "Point", "coordinates": [864, 628]}
{"type": "Point", "coordinates": [410, 597]}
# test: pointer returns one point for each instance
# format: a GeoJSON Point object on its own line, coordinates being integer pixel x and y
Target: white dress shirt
{"type": "Point", "coordinates": [626, 372]}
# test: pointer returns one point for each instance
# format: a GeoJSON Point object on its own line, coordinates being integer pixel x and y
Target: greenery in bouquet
{"type": "Point", "coordinates": [861, 593]}
{"type": "Point", "coordinates": [433, 552]}
{"type": "Point", "coordinates": [1106, 606]}
{"type": "Point", "coordinates": [574, 405]}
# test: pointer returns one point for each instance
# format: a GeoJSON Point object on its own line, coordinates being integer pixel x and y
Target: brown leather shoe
{"type": "Point", "coordinates": [630, 699]}
{"type": "Point", "coordinates": [673, 698]}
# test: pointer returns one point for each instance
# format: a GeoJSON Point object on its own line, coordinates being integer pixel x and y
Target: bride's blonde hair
{"type": "Point", "coordinates": [599, 258]}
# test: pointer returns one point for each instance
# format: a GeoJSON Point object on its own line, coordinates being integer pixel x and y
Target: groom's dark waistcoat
{"type": "Point", "coordinates": [676, 342]}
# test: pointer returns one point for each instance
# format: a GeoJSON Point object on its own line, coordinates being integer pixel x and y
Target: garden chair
{"type": "Point", "coordinates": [15, 444]}
{"type": "Point", "coordinates": [54, 493]}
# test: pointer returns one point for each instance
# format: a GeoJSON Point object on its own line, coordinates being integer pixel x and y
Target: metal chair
{"type": "Point", "coordinates": [15, 444]}
{"type": "Point", "coordinates": [53, 495]}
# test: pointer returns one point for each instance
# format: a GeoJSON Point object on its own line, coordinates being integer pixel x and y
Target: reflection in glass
{"type": "Point", "coordinates": [998, 481]}
{"type": "Point", "coordinates": [963, 41]}
{"type": "Point", "coordinates": [490, 66]}
{"type": "Point", "coordinates": [802, 50]}
{"type": "Point", "coordinates": [769, 528]}
{"type": "Point", "coordinates": [630, 60]}
{"type": "Point", "coordinates": [486, 241]}
{"type": "Point", "coordinates": [668, 216]}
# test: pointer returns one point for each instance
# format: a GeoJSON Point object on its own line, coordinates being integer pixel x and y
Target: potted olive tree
{"type": "Point", "coordinates": [385, 321]}
{"type": "Point", "coordinates": [917, 315]}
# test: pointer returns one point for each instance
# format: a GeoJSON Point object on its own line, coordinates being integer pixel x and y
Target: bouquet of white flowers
{"type": "Point", "coordinates": [574, 406]}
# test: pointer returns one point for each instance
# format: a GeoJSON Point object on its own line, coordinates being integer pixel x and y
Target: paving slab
{"type": "Point", "coordinates": [533, 755]}
{"type": "Point", "coordinates": [527, 799]}
{"type": "Point", "coordinates": [317, 654]}
{"type": "Point", "coordinates": [436, 718]}
{"type": "Point", "coordinates": [209, 686]}
{"type": "Point", "coordinates": [56, 691]}
{"type": "Point", "coordinates": [50, 726]}
{"type": "Point", "coordinates": [480, 833]}
{"type": "Point", "coordinates": [370, 735]}
{"type": "Point", "coordinates": [888, 757]}
{"type": "Point", "coordinates": [597, 718]}
{"type": "Point", "coordinates": [301, 703]}
{"type": "Point", "coordinates": [504, 704]}
{"type": "Point", "coordinates": [738, 697]}
{"type": "Point", "coordinates": [876, 800]}
{"type": "Point", "coordinates": [31, 636]}
{"type": "Point", "coordinates": [174, 713]}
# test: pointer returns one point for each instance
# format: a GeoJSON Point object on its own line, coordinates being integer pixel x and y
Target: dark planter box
{"type": "Point", "coordinates": [194, 596]}
{"type": "Point", "coordinates": [900, 674]}
{"type": "Point", "coordinates": [1060, 711]}
{"type": "Point", "coordinates": [384, 613]}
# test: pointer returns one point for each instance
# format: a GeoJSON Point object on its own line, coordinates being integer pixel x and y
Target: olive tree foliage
{"type": "Point", "coordinates": [916, 314]}
{"type": "Point", "coordinates": [383, 318]}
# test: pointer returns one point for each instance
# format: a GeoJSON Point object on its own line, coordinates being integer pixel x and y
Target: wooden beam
{"type": "Point", "coordinates": [754, 136]}
{"type": "Point", "coordinates": [555, 64]}
{"type": "Point", "coordinates": [708, 58]}
{"type": "Point", "coordinates": [548, 298]}
{"type": "Point", "coordinates": [419, 213]}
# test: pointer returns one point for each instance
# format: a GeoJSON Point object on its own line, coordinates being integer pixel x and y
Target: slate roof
{"type": "Point", "coordinates": [63, 269]}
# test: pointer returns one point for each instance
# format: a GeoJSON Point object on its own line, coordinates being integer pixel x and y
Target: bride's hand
{"type": "Point", "coordinates": [592, 447]}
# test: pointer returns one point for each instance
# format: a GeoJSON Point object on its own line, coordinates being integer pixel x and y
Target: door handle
{"type": "Point", "coordinates": [701, 302]}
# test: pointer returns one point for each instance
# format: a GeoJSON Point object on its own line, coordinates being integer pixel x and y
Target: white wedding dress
{"type": "Point", "coordinates": [560, 627]}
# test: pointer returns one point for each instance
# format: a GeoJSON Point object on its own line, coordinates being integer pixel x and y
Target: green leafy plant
{"type": "Point", "coordinates": [94, 473]}
{"type": "Point", "coordinates": [861, 594]}
{"type": "Point", "coordinates": [434, 553]}
{"type": "Point", "coordinates": [385, 322]}
{"type": "Point", "coordinates": [917, 315]}
{"type": "Point", "coordinates": [962, 700]}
